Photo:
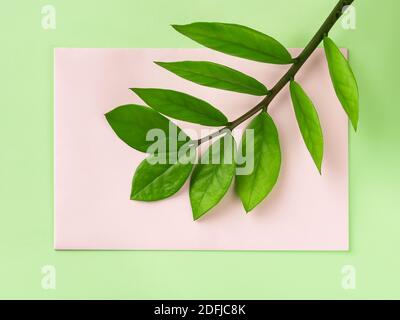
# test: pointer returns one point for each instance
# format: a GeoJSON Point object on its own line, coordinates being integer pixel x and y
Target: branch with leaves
{"type": "Point", "coordinates": [209, 181]}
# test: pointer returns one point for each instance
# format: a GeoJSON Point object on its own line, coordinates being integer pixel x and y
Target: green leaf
{"type": "Point", "coordinates": [182, 106]}
{"type": "Point", "coordinates": [236, 40]}
{"type": "Point", "coordinates": [343, 80]}
{"type": "Point", "coordinates": [211, 179]}
{"type": "Point", "coordinates": [215, 75]}
{"type": "Point", "coordinates": [156, 181]}
{"type": "Point", "coordinates": [252, 188]}
{"type": "Point", "coordinates": [307, 118]}
{"type": "Point", "coordinates": [132, 123]}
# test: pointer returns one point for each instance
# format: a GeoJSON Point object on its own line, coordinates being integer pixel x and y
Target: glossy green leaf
{"type": "Point", "coordinates": [182, 106]}
{"type": "Point", "coordinates": [237, 40]}
{"type": "Point", "coordinates": [212, 177]}
{"type": "Point", "coordinates": [132, 123]}
{"type": "Point", "coordinates": [308, 120]}
{"type": "Point", "coordinates": [215, 75]}
{"type": "Point", "coordinates": [252, 188]}
{"type": "Point", "coordinates": [157, 181]}
{"type": "Point", "coordinates": [343, 80]}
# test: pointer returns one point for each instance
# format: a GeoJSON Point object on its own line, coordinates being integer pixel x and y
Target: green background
{"type": "Point", "coordinates": [26, 165]}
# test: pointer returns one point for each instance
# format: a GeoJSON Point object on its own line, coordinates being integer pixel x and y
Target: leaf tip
{"type": "Point", "coordinates": [133, 197]}
{"type": "Point", "coordinates": [198, 212]}
{"type": "Point", "coordinates": [107, 115]}
{"type": "Point", "coordinates": [177, 27]}
{"type": "Point", "coordinates": [354, 123]}
{"type": "Point", "coordinates": [318, 164]}
{"type": "Point", "coordinates": [247, 208]}
{"type": "Point", "coordinates": [135, 90]}
{"type": "Point", "coordinates": [160, 63]}
{"type": "Point", "coordinates": [134, 193]}
{"type": "Point", "coordinates": [197, 215]}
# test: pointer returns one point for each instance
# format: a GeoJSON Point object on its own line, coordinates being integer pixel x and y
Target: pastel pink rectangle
{"type": "Point", "coordinates": [94, 168]}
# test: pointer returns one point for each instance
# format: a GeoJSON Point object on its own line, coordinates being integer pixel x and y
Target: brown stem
{"type": "Point", "coordinates": [299, 61]}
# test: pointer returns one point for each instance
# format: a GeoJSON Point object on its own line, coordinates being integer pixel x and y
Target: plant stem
{"type": "Point", "coordinates": [299, 61]}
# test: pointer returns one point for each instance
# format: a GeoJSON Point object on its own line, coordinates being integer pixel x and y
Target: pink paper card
{"type": "Point", "coordinates": [94, 168]}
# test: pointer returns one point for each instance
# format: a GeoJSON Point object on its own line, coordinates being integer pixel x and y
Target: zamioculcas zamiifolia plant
{"type": "Point", "coordinates": [210, 180]}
